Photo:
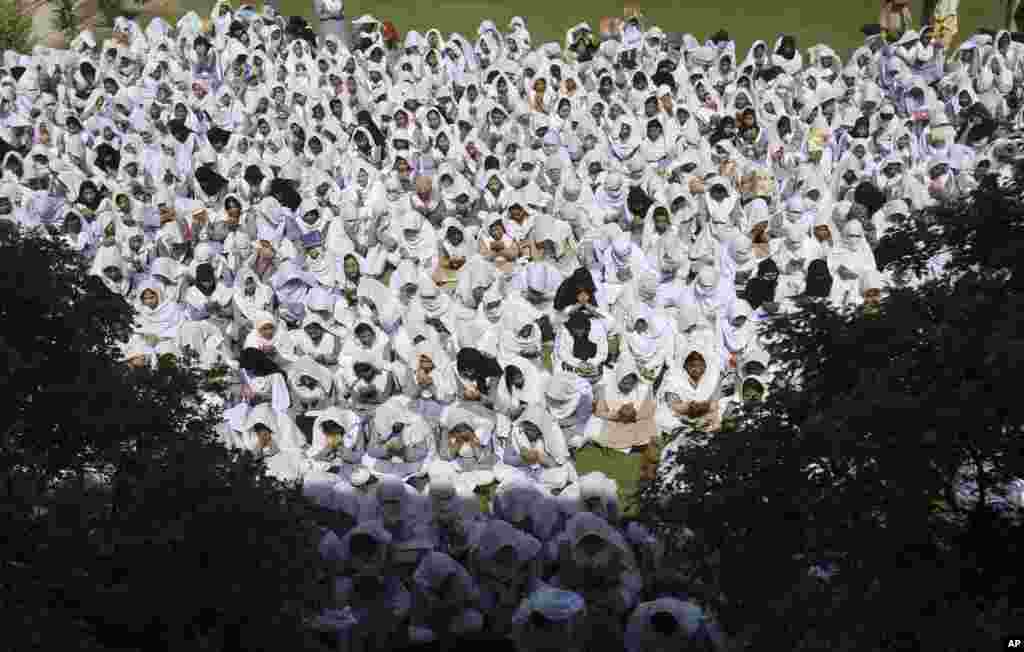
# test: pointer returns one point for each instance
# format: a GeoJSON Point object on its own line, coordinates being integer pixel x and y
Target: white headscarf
{"type": "Point", "coordinates": [350, 422]}
{"type": "Point", "coordinates": [509, 401]}
{"type": "Point", "coordinates": [286, 436]}
{"type": "Point", "coordinates": [511, 343]}
{"type": "Point", "coordinates": [163, 320]}
{"type": "Point", "coordinates": [261, 300]}
{"type": "Point", "coordinates": [653, 347]}
{"type": "Point", "coordinates": [552, 439]}
{"type": "Point", "coordinates": [737, 339]}
{"type": "Point", "coordinates": [678, 381]}
{"type": "Point", "coordinates": [415, 236]}
{"type": "Point", "coordinates": [562, 388]}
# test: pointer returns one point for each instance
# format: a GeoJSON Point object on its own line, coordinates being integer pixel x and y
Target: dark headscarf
{"type": "Point", "coordinates": [760, 290]}
{"type": "Point", "coordinates": [218, 136]}
{"type": "Point", "coordinates": [5, 147]}
{"type": "Point", "coordinates": [719, 37]}
{"type": "Point", "coordinates": [862, 122]}
{"type": "Point", "coordinates": [253, 175]}
{"type": "Point", "coordinates": [983, 127]}
{"type": "Point", "coordinates": [787, 40]}
{"type": "Point", "coordinates": [638, 201]}
{"type": "Point", "coordinates": [364, 119]}
{"type": "Point", "coordinates": [582, 347]}
{"type": "Point", "coordinates": [474, 365]}
{"type": "Point", "coordinates": [204, 272]}
{"type": "Point", "coordinates": [664, 77]}
{"type": "Point", "coordinates": [819, 279]}
{"type": "Point", "coordinates": [257, 363]}
{"type": "Point", "coordinates": [178, 130]}
{"type": "Point", "coordinates": [236, 29]}
{"type": "Point", "coordinates": [869, 196]}
{"type": "Point", "coordinates": [103, 151]}
{"type": "Point", "coordinates": [208, 179]}
{"type": "Point", "coordinates": [769, 73]}
{"type": "Point", "coordinates": [88, 70]}
{"type": "Point", "coordinates": [508, 374]}
{"type": "Point", "coordinates": [720, 131]}
{"type": "Point", "coordinates": [565, 296]}
{"type": "Point", "coordinates": [298, 28]}
{"type": "Point", "coordinates": [285, 193]}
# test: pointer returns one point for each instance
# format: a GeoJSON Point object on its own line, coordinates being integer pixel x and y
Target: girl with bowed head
{"type": "Point", "coordinates": [445, 599]}
{"type": "Point", "coordinates": [400, 441]}
{"type": "Point", "coordinates": [339, 441]}
{"type": "Point", "coordinates": [506, 564]}
{"type": "Point", "coordinates": [596, 562]}
{"type": "Point", "coordinates": [535, 451]}
{"type": "Point", "coordinates": [624, 410]}
{"type": "Point", "coordinates": [569, 400]}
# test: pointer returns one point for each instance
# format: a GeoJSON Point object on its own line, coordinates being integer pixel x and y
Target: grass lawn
{"type": "Point", "coordinates": [835, 23]}
{"type": "Point", "coordinates": [625, 469]}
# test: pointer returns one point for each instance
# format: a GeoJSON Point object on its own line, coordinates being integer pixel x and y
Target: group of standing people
{"type": "Point", "coordinates": [431, 269]}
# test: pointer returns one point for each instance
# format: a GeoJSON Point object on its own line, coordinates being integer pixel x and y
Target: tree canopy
{"type": "Point", "coordinates": [127, 524]}
{"type": "Point", "coordinates": [15, 28]}
{"type": "Point", "coordinates": [862, 505]}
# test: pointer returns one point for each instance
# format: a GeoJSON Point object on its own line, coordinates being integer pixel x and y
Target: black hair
{"type": "Point", "coordinates": [257, 362]}
{"type": "Point", "coordinates": [362, 367]}
{"type": "Point", "coordinates": [664, 623]}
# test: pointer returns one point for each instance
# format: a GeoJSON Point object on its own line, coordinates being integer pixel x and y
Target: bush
{"type": "Point", "coordinates": [109, 10]}
{"type": "Point", "coordinates": [65, 18]}
{"type": "Point", "coordinates": [882, 461]}
{"type": "Point", "coordinates": [127, 525]}
{"type": "Point", "coordinates": [15, 29]}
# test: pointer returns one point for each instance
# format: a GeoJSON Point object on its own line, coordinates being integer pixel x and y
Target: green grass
{"type": "Point", "coordinates": [625, 469]}
{"type": "Point", "coordinates": [812, 21]}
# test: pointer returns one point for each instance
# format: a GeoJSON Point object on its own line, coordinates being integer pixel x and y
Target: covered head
{"type": "Point", "coordinates": [671, 625]}
{"type": "Point", "coordinates": [598, 494]}
{"type": "Point", "coordinates": [523, 505]}
{"type": "Point", "coordinates": [392, 501]}
{"type": "Point", "coordinates": [366, 548]}
{"type": "Point", "coordinates": [550, 616]}
{"type": "Point", "coordinates": [597, 546]}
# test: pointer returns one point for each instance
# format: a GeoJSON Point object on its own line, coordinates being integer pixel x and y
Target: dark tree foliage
{"type": "Point", "coordinates": [127, 525]}
{"type": "Point", "coordinates": [861, 505]}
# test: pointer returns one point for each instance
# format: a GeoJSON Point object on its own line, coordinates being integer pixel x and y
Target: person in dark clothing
{"type": "Point", "coordinates": [760, 290]}
{"type": "Point", "coordinates": [868, 195]}
{"type": "Point", "coordinates": [819, 280]}
{"type": "Point", "coordinates": [976, 125]}
{"type": "Point", "coordinates": [577, 290]}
